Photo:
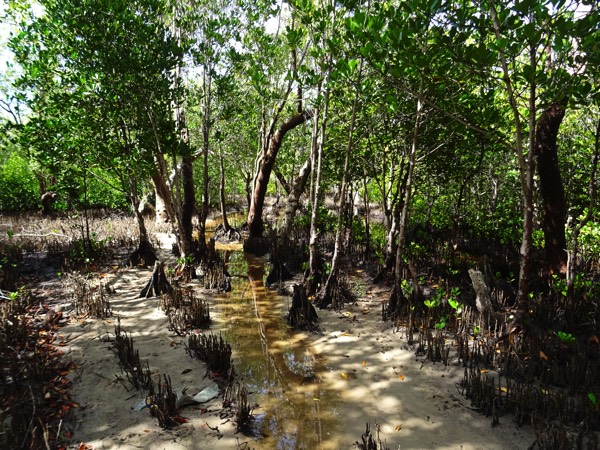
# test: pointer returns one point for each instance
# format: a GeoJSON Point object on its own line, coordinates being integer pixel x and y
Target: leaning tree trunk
{"type": "Point", "coordinates": [269, 154]}
{"type": "Point", "coordinates": [551, 188]}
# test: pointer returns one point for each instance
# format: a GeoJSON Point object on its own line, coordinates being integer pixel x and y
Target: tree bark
{"type": "Point", "coordinates": [206, 126]}
{"type": "Point", "coordinates": [226, 225]}
{"type": "Point", "coordinates": [396, 295]}
{"type": "Point", "coordinates": [162, 215]}
{"type": "Point", "coordinates": [187, 207]}
{"type": "Point", "coordinates": [293, 199]}
{"type": "Point", "coordinates": [255, 221]}
{"type": "Point", "coordinates": [551, 188]}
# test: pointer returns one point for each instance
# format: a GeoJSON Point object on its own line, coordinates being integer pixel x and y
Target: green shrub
{"type": "Point", "coordinates": [19, 186]}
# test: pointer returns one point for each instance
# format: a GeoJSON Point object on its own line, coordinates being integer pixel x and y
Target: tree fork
{"type": "Point", "coordinates": [255, 221]}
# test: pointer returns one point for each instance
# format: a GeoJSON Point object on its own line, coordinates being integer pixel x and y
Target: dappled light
{"type": "Point", "coordinates": [299, 224]}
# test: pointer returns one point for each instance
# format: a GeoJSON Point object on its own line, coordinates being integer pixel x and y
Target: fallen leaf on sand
{"type": "Point", "coordinates": [398, 427]}
{"type": "Point", "coordinates": [344, 376]}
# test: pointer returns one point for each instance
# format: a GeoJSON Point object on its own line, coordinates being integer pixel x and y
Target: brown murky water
{"type": "Point", "coordinates": [275, 363]}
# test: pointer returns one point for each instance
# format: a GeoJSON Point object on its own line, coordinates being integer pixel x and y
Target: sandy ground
{"type": "Point", "coordinates": [370, 371]}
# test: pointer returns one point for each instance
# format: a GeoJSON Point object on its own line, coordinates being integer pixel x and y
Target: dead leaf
{"type": "Point", "coordinates": [543, 356]}
{"type": "Point", "coordinates": [364, 364]}
{"type": "Point", "coordinates": [398, 427]}
{"type": "Point", "coordinates": [483, 371]}
{"type": "Point", "coordinates": [344, 376]}
{"type": "Point", "coordinates": [400, 377]}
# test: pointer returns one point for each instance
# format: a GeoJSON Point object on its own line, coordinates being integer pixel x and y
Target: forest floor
{"type": "Point", "coordinates": [370, 370]}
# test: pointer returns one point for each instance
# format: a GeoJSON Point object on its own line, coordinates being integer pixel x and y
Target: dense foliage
{"type": "Point", "coordinates": [438, 104]}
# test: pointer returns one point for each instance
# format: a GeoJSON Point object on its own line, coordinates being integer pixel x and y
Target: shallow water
{"type": "Point", "coordinates": [275, 363]}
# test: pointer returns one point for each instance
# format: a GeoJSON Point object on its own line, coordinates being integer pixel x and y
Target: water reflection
{"type": "Point", "coordinates": [275, 364]}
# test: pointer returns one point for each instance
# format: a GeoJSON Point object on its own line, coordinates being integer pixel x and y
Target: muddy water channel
{"type": "Point", "coordinates": [275, 363]}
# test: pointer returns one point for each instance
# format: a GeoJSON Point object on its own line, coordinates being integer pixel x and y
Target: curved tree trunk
{"type": "Point", "coordinates": [269, 154]}
{"type": "Point", "coordinates": [551, 188]}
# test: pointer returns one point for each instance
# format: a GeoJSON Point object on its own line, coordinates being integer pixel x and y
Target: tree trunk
{"type": "Point", "coordinates": [396, 295]}
{"type": "Point", "coordinates": [226, 226]}
{"type": "Point", "coordinates": [158, 283]}
{"type": "Point", "coordinates": [293, 199]}
{"type": "Point", "coordinates": [315, 264]}
{"type": "Point", "coordinates": [327, 295]}
{"type": "Point", "coordinates": [255, 221]}
{"type": "Point", "coordinates": [187, 208]}
{"type": "Point", "coordinates": [367, 216]}
{"type": "Point", "coordinates": [526, 167]}
{"type": "Point", "coordinates": [144, 255]}
{"type": "Point", "coordinates": [551, 188]}
{"type": "Point", "coordinates": [284, 184]}
{"type": "Point", "coordinates": [162, 215]}
{"type": "Point", "coordinates": [206, 125]}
